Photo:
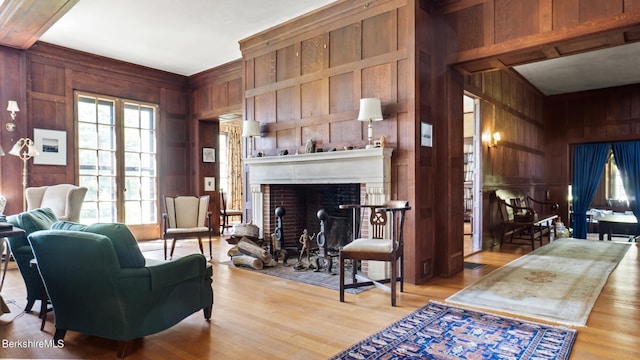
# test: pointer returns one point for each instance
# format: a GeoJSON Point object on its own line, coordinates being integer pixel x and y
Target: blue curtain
{"type": "Point", "coordinates": [588, 163]}
{"type": "Point", "coordinates": [627, 155]}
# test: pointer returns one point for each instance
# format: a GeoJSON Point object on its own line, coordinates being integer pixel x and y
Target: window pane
{"type": "Point", "coordinates": [132, 209]}
{"type": "Point", "coordinates": [148, 141]}
{"type": "Point", "coordinates": [131, 116]}
{"type": "Point", "coordinates": [87, 136]}
{"type": "Point", "coordinates": [131, 139]}
{"type": "Point", "coordinates": [106, 162]}
{"type": "Point", "coordinates": [88, 162]}
{"type": "Point", "coordinates": [133, 188]}
{"type": "Point", "coordinates": [106, 137]}
{"type": "Point", "coordinates": [132, 163]}
{"type": "Point", "coordinates": [147, 118]}
{"type": "Point", "coordinates": [106, 112]}
{"type": "Point", "coordinates": [91, 183]}
{"type": "Point", "coordinates": [147, 164]}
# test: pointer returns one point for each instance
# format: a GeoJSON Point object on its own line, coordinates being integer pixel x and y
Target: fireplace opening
{"type": "Point", "coordinates": [301, 204]}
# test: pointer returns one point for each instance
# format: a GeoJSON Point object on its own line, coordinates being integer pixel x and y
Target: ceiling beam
{"type": "Point", "coordinates": [22, 22]}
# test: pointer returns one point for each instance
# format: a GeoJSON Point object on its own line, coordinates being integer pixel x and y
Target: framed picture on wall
{"type": "Point", "coordinates": [51, 146]}
{"type": "Point", "coordinates": [426, 134]}
{"type": "Point", "coordinates": [208, 155]}
{"type": "Point", "coordinates": [209, 184]}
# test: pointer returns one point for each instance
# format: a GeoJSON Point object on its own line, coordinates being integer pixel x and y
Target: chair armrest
{"type": "Point", "coordinates": [358, 206]}
{"type": "Point", "coordinates": [520, 210]}
{"type": "Point", "coordinates": [384, 207]}
{"type": "Point", "coordinates": [172, 272]}
{"type": "Point", "coordinates": [554, 206]}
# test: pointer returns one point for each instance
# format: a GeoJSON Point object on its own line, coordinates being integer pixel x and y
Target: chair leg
{"type": "Point", "coordinates": [210, 248]}
{"type": "Point", "coordinates": [401, 276]}
{"type": "Point", "coordinates": [341, 278]}
{"type": "Point", "coordinates": [173, 247]}
{"type": "Point", "coordinates": [29, 306]}
{"type": "Point", "coordinates": [394, 278]}
{"type": "Point", "coordinates": [354, 270]}
{"type": "Point", "coordinates": [207, 312]}
{"type": "Point", "coordinates": [59, 335]}
{"type": "Point", "coordinates": [165, 249]}
{"type": "Point", "coordinates": [200, 245]}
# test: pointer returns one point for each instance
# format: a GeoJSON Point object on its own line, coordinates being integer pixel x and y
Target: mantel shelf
{"type": "Point", "coordinates": [332, 167]}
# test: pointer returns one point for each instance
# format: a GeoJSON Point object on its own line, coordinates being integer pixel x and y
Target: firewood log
{"type": "Point", "coordinates": [248, 247]}
{"type": "Point", "coordinates": [249, 261]}
{"type": "Point", "coordinates": [233, 252]}
{"type": "Point", "coordinates": [271, 263]}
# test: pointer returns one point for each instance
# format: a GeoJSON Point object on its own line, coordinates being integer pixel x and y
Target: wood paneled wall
{"type": "Point", "coordinates": [511, 106]}
{"type": "Point", "coordinates": [13, 84]}
{"type": "Point", "coordinates": [304, 79]}
{"type": "Point", "coordinates": [214, 93]}
{"type": "Point", "coordinates": [49, 76]}
{"type": "Point", "coordinates": [485, 35]}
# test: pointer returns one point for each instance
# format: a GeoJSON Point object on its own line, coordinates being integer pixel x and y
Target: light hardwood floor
{"type": "Point", "coordinates": [257, 316]}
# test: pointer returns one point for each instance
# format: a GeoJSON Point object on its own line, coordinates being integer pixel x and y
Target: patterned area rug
{"type": "Point", "coordinates": [439, 331]}
{"type": "Point", "coordinates": [557, 282]}
{"type": "Point", "coordinates": [317, 278]}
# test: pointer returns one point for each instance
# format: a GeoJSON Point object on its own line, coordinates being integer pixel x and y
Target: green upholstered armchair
{"type": "Point", "coordinates": [29, 221]}
{"type": "Point", "coordinates": [100, 284]}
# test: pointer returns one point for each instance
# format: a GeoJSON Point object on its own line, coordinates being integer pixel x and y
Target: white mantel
{"type": "Point", "coordinates": [371, 167]}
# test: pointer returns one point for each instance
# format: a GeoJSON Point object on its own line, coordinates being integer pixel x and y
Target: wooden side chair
{"type": "Point", "coordinates": [186, 217]}
{"type": "Point", "coordinates": [383, 243]}
{"type": "Point", "coordinates": [225, 213]}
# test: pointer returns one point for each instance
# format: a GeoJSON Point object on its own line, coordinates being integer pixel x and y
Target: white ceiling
{"type": "Point", "coordinates": [187, 37]}
{"type": "Point", "coordinates": [179, 36]}
{"type": "Point", "coordinates": [604, 68]}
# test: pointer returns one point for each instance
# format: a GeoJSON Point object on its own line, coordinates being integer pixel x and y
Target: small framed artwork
{"type": "Point", "coordinates": [51, 146]}
{"type": "Point", "coordinates": [208, 155]}
{"type": "Point", "coordinates": [209, 184]}
{"type": "Point", "coordinates": [426, 134]}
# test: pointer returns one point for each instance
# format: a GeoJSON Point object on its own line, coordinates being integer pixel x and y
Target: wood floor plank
{"type": "Point", "coordinates": [260, 316]}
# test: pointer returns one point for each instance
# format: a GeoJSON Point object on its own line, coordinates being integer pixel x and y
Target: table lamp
{"type": "Point", "coordinates": [370, 110]}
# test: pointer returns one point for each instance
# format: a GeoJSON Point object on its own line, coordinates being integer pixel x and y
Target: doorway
{"type": "Point", "coordinates": [472, 195]}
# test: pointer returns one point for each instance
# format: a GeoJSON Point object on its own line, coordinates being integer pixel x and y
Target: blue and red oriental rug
{"type": "Point", "coordinates": [439, 331]}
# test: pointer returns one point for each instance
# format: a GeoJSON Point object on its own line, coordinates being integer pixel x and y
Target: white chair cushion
{"type": "Point", "coordinates": [370, 245]}
{"type": "Point", "coordinates": [187, 230]}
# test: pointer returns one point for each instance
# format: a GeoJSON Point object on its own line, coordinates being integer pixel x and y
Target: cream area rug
{"type": "Point", "coordinates": [558, 282]}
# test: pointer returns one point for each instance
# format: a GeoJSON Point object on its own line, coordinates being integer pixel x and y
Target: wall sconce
{"type": "Point", "coordinates": [370, 110]}
{"type": "Point", "coordinates": [491, 140]}
{"type": "Point", "coordinates": [25, 149]}
{"type": "Point", "coordinates": [13, 108]}
{"type": "Point", "coordinates": [250, 129]}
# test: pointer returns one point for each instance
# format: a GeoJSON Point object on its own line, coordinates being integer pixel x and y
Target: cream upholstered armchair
{"type": "Point", "coordinates": [186, 217]}
{"type": "Point", "coordinates": [65, 200]}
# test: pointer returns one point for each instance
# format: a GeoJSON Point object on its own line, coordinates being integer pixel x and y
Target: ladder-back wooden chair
{"type": "Point", "coordinates": [225, 213]}
{"type": "Point", "coordinates": [383, 243]}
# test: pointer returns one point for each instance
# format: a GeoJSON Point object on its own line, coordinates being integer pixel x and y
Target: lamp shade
{"type": "Point", "coordinates": [250, 128]}
{"type": "Point", "coordinates": [15, 150]}
{"type": "Point", "coordinates": [13, 106]}
{"type": "Point", "coordinates": [30, 151]}
{"type": "Point", "coordinates": [370, 110]}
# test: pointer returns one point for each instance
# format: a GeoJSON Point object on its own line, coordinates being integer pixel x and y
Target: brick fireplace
{"type": "Point", "coordinates": [301, 204]}
{"type": "Point", "coordinates": [361, 175]}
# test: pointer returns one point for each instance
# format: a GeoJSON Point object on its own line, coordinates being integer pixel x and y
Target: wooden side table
{"type": "Point", "coordinates": [6, 253]}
